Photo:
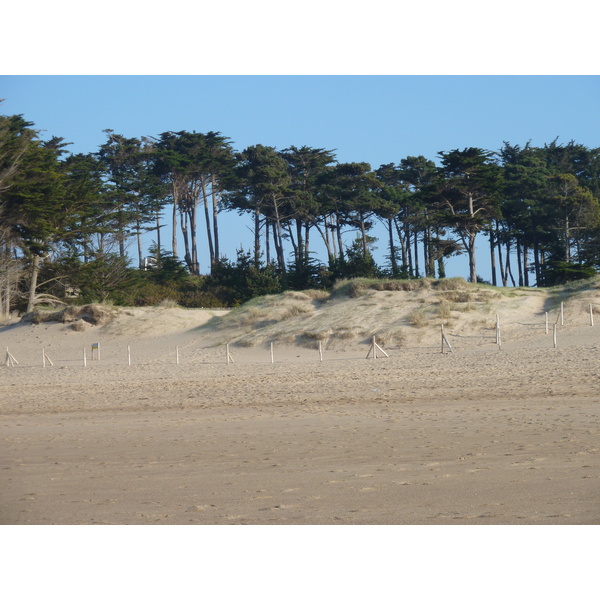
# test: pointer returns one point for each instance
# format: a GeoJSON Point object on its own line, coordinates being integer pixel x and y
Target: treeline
{"type": "Point", "coordinates": [67, 220]}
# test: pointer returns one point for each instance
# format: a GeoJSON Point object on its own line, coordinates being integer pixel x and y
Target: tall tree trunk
{"type": "Point", "coordinates": [537, 264]}
{"type": "Point", "coordinates": [194, 240]}
{"type": "Point", "coordinates": [138, 234]}
{"type": "Point", "coordinates": [508, 269]}
{"type": "Point", "coordinates": [493, 256]}
{"type": "Point", "coordinates": [158, 226]}
{"type": "Point", "coordinates": [392, 248]}
{"type": "Point", "coordinates": [339, 238]}
{"type": "Point", "coordinates": [407, 237]}
{"type": "Point", "coordinates": [503, 274]}
{"type": "Point", "coordinates": [402, 245]}
{"type": "Point", "coordinates": [363, 233]}
{"type": "Point", "coordinates": [186, 241]}
{"type": "Point", "coordinates": [215, 211]}
{"type": "Point", "coordinates": [267, 241]}
{"type": "Point", "coordinates": [35, 270]}
{"type": "Point", "coordinates": [417, 274]}
{"type": "Point", "coordinates": [525, 265]}
{"type": "Point", "coordinates": [174, 235]}
{"type": "Point", "coordinates": [257, 237]}
{"type": "Point", "coordinates": [334, 245]}
{"type": "Point", "coordinates": [207, 218]}
{"type": "Point", "coordinates": [519, 265]}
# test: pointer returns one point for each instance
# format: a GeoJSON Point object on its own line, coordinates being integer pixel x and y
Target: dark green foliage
{"type": "Point", "coordinates": [67, 219]}
{"type": "Point", "coordinates": [561, 272]}
{"type": "Point", "coordinates": [238, 282]}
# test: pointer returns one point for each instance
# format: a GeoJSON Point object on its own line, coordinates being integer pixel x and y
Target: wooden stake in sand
{"type": "Point", "coordinates": [272, 355]}
{"type": "Point", "coordinates": [554, 334]}
{"type": "Point", "coordinates": [591, 315]}
{"type": "Point", "coordinates": [498, 339]}
{"type": "Point", "coordinates": [129, 355]}
{"type": "Point", "coordinates": [228, 354]}
{"type": "Point", "coordinates": [321, 350]}
{"type": "Point", "coordinates": [445, 341]}
{"type": "Point", "coordinates": [374, 347]}
{"type": "Point", "coordinates": [177, 354]}
{"type": "Point", "coordinates": [546, 322]}
{"type": "Point", "coordinates": [10, 361]}
{"type": "Point", "coordinates": [84, 358]}
{"type": "Point", "coordinates": [45, 358]}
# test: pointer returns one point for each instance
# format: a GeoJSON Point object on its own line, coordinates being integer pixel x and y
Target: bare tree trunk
{"type": "Point", "coordinates": [508, 269]}
{"type": "Point", "coordinates": [138, 234]}
{"type": "Point", "coordinates": [267, 242]}
{"type": "Point", "coordinates": [186, 241]}
{"type": "Point", "coordinates": [393, 262]}
{"type": "Point", "coordinates": [519, 266]}
{"type": "Point", "coordinates": [256, 237]}
{"type": "Point", "coordinates": [174, 236]}
{"type": "Point", "coordinates": [158, 226]}
{"type": "Point", "coordinates": [215, 210]}
{"type": "Point", "coordinates": [207, 218]}
{"type": "Point", "coordinates": [402, 239]}
{"type": "Point", "coordinates": [194, 238]}
{"type": "Point", "coordinates": [338, 228]}
{"type": "Point", "coordinates": [493, 256]}
{"type": "Point", "coordinates": [35, 269]}
{"type": "Point", "coordinates": [416, 243]}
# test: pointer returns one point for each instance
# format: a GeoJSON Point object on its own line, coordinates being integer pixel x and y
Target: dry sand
{"type": "Point", "coordinates": [479, 436]}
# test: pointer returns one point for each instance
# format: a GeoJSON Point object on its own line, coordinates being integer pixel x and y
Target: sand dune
{"type": "Point", "coordinates": [485, 434]}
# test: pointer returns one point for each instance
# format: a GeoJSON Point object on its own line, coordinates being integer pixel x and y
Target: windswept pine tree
{"type": "Point", "coordinates": [63, 214]}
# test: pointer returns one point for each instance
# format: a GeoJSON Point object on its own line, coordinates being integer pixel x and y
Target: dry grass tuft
{"type": "Point", "coordinates": [80, 325]}
{"type": "Point", "coordinates": [418, 318]}
{"type": "Point", "coordinates": [168, 303]}
{"type": "Point", "coordinates": [318, 295]}
{"type": "Point", "coordinates": [451, 283]}
{"type": "Point", "coordinates": [94, 314]}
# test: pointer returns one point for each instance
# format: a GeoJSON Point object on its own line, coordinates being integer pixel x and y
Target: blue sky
{"type": "Point", "coordinates": [376, 119]}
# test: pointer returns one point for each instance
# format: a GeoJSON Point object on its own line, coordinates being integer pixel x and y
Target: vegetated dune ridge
{"type": "Point", "coordinates": [162, 429]}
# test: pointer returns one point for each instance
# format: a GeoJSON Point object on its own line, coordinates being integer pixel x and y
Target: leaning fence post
{"type": "Point", "coordinates": [10, 361]}
{"type": "Point", "coordinates": [445, 340]}
{"type": "Point", "coordinates": [554, 334]}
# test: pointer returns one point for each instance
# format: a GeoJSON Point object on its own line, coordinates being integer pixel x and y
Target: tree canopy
{"type": "Point", "coordinates": [65, 215]}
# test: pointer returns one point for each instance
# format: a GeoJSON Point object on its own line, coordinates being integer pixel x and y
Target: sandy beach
{"type": "Point", "coordinates": [481, 435]}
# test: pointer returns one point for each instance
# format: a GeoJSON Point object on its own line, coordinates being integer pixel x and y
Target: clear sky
{"type": "Point", "coordinates": [376, 119]}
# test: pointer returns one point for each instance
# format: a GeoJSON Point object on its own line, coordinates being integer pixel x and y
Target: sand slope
{"type": "Point", "coordinates": [481, 435]}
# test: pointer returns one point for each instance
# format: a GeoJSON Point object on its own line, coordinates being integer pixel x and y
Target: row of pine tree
{"type": "Point", "coordinates": [67, 220]}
